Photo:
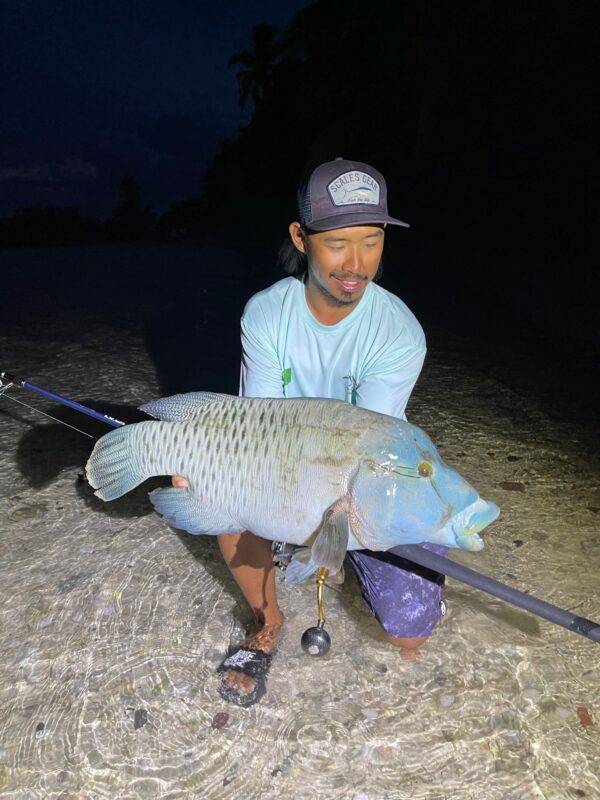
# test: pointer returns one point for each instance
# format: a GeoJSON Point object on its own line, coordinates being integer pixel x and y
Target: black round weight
{"type": "Point", "coordinates": [315, 641]}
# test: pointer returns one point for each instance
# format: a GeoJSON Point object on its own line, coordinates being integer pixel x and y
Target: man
{"type": "Point", "coordinates": [330, 331]}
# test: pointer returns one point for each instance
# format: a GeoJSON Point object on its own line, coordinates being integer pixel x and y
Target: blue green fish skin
{"type": "Point", "coordinates": [274, 466]}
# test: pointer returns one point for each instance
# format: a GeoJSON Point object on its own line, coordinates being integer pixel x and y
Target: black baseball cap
{"type": "Point", "coordinates": [342, 193]}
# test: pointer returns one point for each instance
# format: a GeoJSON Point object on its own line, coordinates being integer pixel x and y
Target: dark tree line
{"type": "Point", "coordinates": [475, 111]}
{"type": "Point", "coordinates": [478, 113]}
{"type": "Point", "coordinates": [44, 226]}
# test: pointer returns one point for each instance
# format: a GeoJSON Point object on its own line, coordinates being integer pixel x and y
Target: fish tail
{"type": "Point", "coordinates": [112, 469]}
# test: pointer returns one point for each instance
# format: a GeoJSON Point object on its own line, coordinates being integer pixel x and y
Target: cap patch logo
{"type": "Point", "coordinates": [353, 188]}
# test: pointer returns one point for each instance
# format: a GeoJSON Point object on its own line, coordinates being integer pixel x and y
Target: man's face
{"type": "Point", "coordinates": [342, 262]}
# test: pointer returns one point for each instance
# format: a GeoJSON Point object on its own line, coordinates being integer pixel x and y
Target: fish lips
{"type": "Point", "coordinates": [470, 521]}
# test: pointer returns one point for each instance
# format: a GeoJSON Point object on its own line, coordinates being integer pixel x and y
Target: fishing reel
{"type": "Point", "coordinates": [316, 641]}
{"type": "Point", "coordinates": [6, 381]}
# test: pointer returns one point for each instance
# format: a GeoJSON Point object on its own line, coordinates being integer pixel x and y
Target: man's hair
{"type": "Point", "coordinates": [291, 259]}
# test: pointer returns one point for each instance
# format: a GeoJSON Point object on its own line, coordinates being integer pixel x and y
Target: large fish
{"type": "Point", "coordinates": [314, 472]}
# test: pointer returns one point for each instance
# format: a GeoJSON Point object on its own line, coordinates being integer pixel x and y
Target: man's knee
{"type": "Point", "coordinates": [409, 646]}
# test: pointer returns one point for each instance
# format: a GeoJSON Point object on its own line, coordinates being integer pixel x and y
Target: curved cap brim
{"type": "Point", "coordinates": [353, 219]}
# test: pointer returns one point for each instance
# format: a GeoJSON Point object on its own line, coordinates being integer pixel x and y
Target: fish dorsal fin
{"type": "Point", "coordinates": [180, 407]}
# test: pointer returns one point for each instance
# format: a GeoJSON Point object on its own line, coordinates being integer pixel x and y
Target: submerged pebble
{"type": "Point", "coordinates": [140, 718]}
{"type": "Point", "coordinates": [370, 713]}
{"type": "Point", "coordinates": [27, 512]}
{"type": "Point", "coordinates": [219, 720]}
{"type": "Point", "coordinates": [447, 700]}
{"type": "Point", "coordinates": [532, 694]}
{"type": "Point", "coordinates": [70, 583]}
{"type": "Point", "coordinates": [591, 546]}
{"type": "Point", "coordinates": [584, 716]}
{"type": "Point", "coordinates": [95, 759]}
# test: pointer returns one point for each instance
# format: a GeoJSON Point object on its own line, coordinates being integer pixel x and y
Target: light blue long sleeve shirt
{"type": "Point", "coordinates": [372, 357]}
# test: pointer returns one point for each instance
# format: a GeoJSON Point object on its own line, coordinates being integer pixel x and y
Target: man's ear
{"type": "Point", "coordinates": [298, 236]}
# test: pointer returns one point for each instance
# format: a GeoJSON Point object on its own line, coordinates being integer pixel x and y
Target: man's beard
{"type": "Point", "coordinates": [346, 299]}
{"type": "Point", "coordinates": [334, 301]}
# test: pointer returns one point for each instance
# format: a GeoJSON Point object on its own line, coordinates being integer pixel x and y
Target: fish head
{"type": "Point", "coordinates": [404, 493]}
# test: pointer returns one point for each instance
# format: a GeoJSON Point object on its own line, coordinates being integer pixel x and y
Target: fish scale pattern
{"type": "Point", "coordinates": [276, 466]}
{"type": "Point", "coordinates": [255, 461]}
{"type": "Point", "coordinates": [244, 451]}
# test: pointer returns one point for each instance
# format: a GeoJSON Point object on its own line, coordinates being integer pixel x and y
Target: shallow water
{"type": "Point", "coordinates": [112, 625]}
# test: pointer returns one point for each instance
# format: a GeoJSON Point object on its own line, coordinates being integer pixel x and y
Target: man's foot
{"type": "Point", "coordinates": [242, 685]}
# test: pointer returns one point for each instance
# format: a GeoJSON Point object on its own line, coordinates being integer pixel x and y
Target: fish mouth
{"type": "Point", "coordinates": [467, 524]}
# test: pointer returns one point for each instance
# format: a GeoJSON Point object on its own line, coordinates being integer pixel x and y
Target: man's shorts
{"type": "Point", "coordinates": [407, 600]}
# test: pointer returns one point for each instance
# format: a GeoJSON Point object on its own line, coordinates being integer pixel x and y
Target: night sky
{"type": "Point", "coordinates": [94, 90]}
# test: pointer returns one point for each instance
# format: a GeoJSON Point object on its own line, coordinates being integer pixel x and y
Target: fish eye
{"type": "Point", "coordinates": [425, 469]}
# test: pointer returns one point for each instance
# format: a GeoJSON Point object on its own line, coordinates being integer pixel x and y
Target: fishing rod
{"type": "Point", "coordinates": [13, 380]}
{"type": "Point", "coordinates": [316, 640]}
{"type": "Point", "coordinates": [572, 622]}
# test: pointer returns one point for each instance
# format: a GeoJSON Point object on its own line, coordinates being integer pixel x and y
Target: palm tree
{"type": "Point", "coordinates": [256, 74]}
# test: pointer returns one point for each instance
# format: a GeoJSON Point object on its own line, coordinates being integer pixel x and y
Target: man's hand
{"type": "Point", "coordinates": [179, 482]}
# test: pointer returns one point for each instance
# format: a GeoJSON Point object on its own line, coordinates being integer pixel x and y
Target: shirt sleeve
{"type": "Point", "coordinates": [260, 373]}
{"type": "Point", "coordinates": [389, 381]}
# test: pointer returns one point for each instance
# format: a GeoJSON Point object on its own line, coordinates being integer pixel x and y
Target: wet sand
{"type": "Point", "coordinates": [112, 625]}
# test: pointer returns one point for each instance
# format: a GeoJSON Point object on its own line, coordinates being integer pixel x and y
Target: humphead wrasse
{"type": "Point", "coordinates": [315, 472]}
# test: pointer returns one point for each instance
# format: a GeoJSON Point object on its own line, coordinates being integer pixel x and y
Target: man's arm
{"type": "Point", "coordinates": [390, 380]}
{"type": "Point", "coordinates": [260, 373]}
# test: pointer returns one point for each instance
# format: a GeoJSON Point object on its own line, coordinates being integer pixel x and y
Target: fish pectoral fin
{"type": "Point", "coordinates": [300, 567]}
{"type": "Point", "coordinates": [184, 511]}
{"type": "Point", "coordinates": [328, 549]}
{"type": "Point", "coordinates": [180, 407]}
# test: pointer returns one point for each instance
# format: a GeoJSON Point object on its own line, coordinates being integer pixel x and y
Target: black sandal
{"type": "Point", "coordinates": [251, 662]}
